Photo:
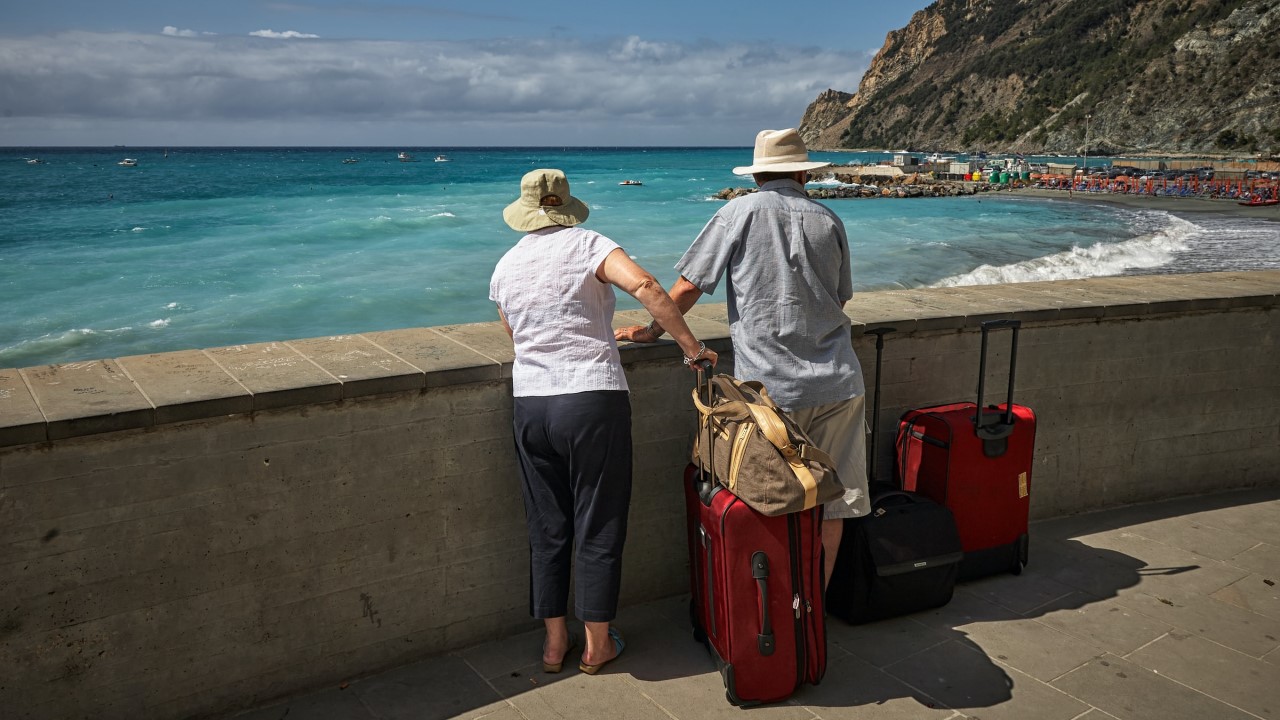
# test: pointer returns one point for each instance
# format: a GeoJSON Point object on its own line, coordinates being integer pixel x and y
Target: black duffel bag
{"type": "Point", "coordinates": [902, 558]}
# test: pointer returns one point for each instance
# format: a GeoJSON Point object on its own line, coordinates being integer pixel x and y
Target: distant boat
{"type": "Point", "coordinates": [128, 162]}
{"type": "Point", "coordinates": [1260, 202]}
{"type": "Point", "coordinates": [34, 161]}
{"type": "Point", "coordinates": [405, 157]}
{"type": "Point", "coordinates": [441, 158]}
{"type": "Point", "coordinates": [630, 182]}
{"type": "Point", "coordinates": [350, 161]}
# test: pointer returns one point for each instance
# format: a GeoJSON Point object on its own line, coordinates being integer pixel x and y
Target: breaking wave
{"type": "Point", "coordinates": [1151, 249]}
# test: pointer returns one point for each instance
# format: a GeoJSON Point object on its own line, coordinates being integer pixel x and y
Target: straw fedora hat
{"type": "Point", "coordinates": [779, 151]}
{"type": "Point", "coordinates": [544, 201]}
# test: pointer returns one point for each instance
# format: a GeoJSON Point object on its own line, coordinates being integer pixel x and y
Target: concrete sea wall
{"type": "Point", "coordinates": [188, 533]}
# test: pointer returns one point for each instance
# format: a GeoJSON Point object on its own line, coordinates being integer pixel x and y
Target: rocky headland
{"type": "Point", "coordinates": [1109, 77]}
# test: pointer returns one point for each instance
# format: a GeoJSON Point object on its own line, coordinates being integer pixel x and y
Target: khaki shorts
{"type": "Point", "coordinates": [841, 430]}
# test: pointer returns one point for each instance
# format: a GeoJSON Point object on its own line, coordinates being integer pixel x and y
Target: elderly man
{"type": "Point", "coordinates": [786, 259]}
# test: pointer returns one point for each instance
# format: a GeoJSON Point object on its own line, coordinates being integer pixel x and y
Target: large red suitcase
{"type": "Point", "coordinates": [756, 592]}
{"type": "Point", "coordinates": [979, 466]}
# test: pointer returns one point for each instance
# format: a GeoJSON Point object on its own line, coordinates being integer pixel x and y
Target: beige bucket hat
{"type": "Point", "coordinates": [779, 151]}
{"type": "Point", "coordinates": [544, 201]}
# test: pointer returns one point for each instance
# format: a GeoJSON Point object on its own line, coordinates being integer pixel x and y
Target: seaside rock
{"type": "Point", "coordinates": [854, 186]}
{"type": "Point", "coordinates": [731, 192]}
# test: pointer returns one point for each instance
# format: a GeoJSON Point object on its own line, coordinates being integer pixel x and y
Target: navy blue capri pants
{"type": "Point", "coordinates": [575, 465]}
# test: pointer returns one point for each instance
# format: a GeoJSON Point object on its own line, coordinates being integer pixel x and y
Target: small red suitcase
{"type": "Point", "coordinates": [978, 466]}
{"type": "Point", "coordinates": [756, 587]}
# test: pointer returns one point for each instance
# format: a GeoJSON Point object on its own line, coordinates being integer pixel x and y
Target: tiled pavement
{"type": "Point", "coordinates": [1153, 612]}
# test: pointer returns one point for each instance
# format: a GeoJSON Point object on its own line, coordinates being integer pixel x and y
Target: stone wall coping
{"type": "Point", "coordinates": [53, 402]}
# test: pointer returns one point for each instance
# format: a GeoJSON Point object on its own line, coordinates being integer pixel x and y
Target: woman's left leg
{"type": "Point", "coordinates": [598, 425]}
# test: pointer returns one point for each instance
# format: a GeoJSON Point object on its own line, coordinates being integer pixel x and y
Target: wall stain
{"type": "Point", "coordinates": [366, 603]}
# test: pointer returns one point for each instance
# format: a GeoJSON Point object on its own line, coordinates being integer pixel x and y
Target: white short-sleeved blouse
{"type": "Point", "coordinates": [560, 313]}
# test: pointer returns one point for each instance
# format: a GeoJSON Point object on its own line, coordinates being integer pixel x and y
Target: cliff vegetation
{"type": "Point", "coordinates": [1141, 76]}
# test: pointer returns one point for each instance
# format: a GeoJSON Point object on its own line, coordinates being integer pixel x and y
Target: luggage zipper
{"type": "Point", "coordinates": [797, 583]}
{"type": "Point", "coordinates": [710, 581]}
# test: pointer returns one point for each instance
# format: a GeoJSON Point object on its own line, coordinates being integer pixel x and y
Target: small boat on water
{"type": "Point", "coordinates": [128, 162]}
{"type": "Point", "coordinates": [1260, 202]}
{"type": "Point", "coordinates": [630, 182]}
{"type": "Point", "coordinates": [441, 158]}
{"type": "Point", "coordinates": [350, 161]}
{"type": "Point", "coordinates": [34, 161]}
{"type": "Point", "coordinates": [405, 157]}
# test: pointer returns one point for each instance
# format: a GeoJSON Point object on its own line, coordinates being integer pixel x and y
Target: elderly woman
{"type": "Point", "coordinates": [572, 417]}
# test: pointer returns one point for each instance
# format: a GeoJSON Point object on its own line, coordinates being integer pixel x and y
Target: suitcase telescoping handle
{"type": "Point", "coordinates": [707, 485]}
{"type": "Point", "coordinates": [875, 415]}
{"type": "Point", "coordinates": [1000, 427]}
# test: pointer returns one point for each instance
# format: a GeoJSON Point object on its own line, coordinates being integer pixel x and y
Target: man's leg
{"type": "Point", "coordinates": [832, 531]}
{"type": "Point", "coordinates": [839, 429]}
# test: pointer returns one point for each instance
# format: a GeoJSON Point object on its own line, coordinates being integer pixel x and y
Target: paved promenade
{"type": "Point", "coordinates": [1153, 612]}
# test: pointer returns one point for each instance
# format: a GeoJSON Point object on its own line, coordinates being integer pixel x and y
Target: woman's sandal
{"type": "Point", "coordinates": [618, 643]}
{"type": "Point", "coordinates": [557, 667]}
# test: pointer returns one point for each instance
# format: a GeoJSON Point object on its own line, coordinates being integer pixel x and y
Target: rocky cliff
{"type": "Point", "coordinates": [1141, 76]}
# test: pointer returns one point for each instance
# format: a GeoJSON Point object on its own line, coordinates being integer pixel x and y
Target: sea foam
{"type": "Point", "coordinates": [1151, 249]}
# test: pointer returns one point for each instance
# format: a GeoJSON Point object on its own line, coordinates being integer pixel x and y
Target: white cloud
{"type": "Point", "coordinates": [175, 32]}
{"type": "Point", "coordinates": [634, 49]}
{"type": "Point", "coordinates": [511, 91]}
{"type": "Point", "coordinates": [286, 35]}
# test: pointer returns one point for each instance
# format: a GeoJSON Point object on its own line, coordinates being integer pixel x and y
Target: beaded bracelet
{"type": "Point", "coordinates": [702, 350]}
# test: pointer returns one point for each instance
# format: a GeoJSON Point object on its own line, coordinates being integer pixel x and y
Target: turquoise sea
{"type": "Point", "coordinates": [207, 247]}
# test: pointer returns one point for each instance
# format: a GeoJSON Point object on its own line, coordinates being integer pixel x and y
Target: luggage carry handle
{"type": "Point", "coordinates": [903, 497]}
{"type": "Point", "coordinates": [760, 571]}
{"type": "Point", "coordinates": [995, 434]}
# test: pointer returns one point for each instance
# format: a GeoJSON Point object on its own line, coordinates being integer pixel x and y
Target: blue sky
{"type": "Point", "coordinates": [319, 72]}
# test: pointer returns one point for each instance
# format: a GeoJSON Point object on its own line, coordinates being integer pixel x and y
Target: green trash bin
{"type": "Point", "coordinates": [1004, 178]}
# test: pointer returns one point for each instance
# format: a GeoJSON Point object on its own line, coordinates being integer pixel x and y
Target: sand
{"type": "Point", "coordinates": [1175, 205]}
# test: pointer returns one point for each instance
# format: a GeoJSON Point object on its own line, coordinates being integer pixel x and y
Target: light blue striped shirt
{"type": "Point", "coordinates": [787, 259]}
